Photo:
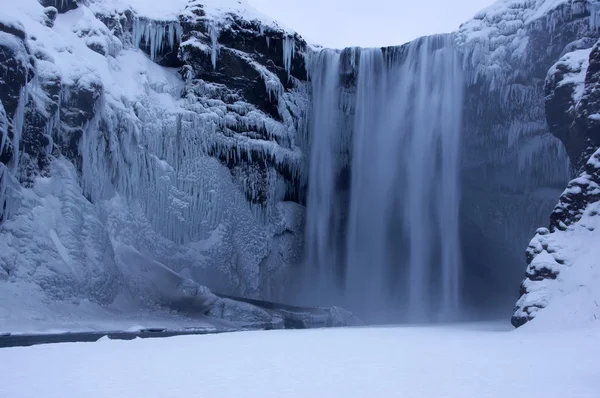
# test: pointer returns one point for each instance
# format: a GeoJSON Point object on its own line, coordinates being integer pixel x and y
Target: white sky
{"type": "Point", "coordinates": [369, 23]}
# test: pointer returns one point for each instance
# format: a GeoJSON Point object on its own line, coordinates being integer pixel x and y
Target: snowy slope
{"type": "Point", "coordinates": [563, 277]}
{"type": "Point", "coordinates": [562, 281]}
{"type": "Point", "coordinates": [417, 362]}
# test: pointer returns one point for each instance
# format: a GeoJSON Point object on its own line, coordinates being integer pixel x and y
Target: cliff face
{"type": "Point", "coordinates": [152, 149]}
{"type": "Point", "coordinates": [115, 163]}
{"type": "Point", "coordinates": [514, 168]}
{"type": "Point", "coordinates": [561, 260]}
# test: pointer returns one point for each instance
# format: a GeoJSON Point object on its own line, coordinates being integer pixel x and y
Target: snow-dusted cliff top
{"type": "Point", "coordinates": [498, 36]}
{"type": "Point", "coordinates": [159, 10]}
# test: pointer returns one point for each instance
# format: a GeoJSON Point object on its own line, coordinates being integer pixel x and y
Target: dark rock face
{"type": "Point", "coordinates": [247, 65]}
{"type": "Point", "coordinates": [246, 51]}
{"type": "Point", "coordinates": [246, 61]}
{"type": "Point", "coordinates": [16, 70]}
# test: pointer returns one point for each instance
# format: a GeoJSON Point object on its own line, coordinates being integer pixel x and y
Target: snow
{"type": "Point", "coordinates": [573, 298]}
{"type": "Point", "coordinates": [498, 36]}
{"type": "Point", "coordinates": [24, 309]}
{"type": "Point", "coordinates": [410, 362]}
{"type": "Point", "coordinates": [160, 10]}
{"type": "Point", "coordinates": [146, 206]}
{"type": "Point", "coordinates": [152, 9]}
{"type": "Point", "coordinates": [576, 64]}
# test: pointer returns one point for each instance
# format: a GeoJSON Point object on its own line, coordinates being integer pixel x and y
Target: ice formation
{"type": "Point", "coordinates": [183, 172]}
{"type": "Point", "coordinates": [289, 49]}
{"type": "Point", "coordinates": [156, 35]}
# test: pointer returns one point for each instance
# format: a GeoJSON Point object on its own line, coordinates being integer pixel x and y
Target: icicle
{"type": "Point", "coordinates": [156, 35]}
{"type": "Point", "coordinates": [10, 200]}
{"type": "Point", "coordinates": [594, 10]}
{"type": "Point", "coordinates": [3, 127]}
{"type": "Point", "coordinates": [214, 32]}
{"type": "Point", "coordinates": [289, 49]}
{"type": "Point", "coordinates": [18, 123]}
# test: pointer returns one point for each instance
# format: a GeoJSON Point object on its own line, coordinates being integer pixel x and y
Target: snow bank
{"type": "Point", "coordinates": [563, 277]}
{"type": "Point", "coordinates": [410, 362]}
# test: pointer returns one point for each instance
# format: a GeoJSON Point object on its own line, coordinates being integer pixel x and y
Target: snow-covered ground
{"type": "Point", "coordinates": [465, 361]}
{"type": "Point", "coordinates": [24, 309]}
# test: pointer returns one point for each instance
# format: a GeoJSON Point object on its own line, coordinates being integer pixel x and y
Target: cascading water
{"type": "Point", "coordinates": [401, 252]}
{"type": "Point", "coordinates": [325, 117]}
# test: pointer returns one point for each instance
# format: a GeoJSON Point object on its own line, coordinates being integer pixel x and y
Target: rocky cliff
{"type": "Point", "coordinates": [118, 165]}
{"type": "Point", "coordinates": [561, 260]}
{"type": "Point", "coordinates": [147, 150]}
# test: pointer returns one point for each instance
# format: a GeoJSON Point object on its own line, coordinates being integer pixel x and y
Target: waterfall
{"type": "Point", "coordinates": [324, 138]}
{"type": "Point", "coordinates": [401, 253]}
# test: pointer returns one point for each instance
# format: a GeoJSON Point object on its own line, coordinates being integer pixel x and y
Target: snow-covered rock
{"type": "Point", "coordinates": [563, 276]}
{"type": "Point", "coordinates": [148, 147]}
{"type": "Point", "coordinates": [562, 260]}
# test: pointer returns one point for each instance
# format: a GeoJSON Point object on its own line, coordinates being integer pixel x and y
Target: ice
{"type": "Point", "coordinates": [3, 127]}
{"type": "Point", "coordinates": [18, 121]}
{"type": "Point", "coordinates": [289, 49]}
{"type": "Point", "coordinates": [156, 35]}
{"type": "Point", "coordinates": [213, 31]}
{"type": "Point", "coordinates": [151, 188]}
{"type": "Point", "coordinates": [594, 11]}
{"type": "Point", "coordinates": [382, 362]}
{"type": "Point", "coordinates": [497, 36]}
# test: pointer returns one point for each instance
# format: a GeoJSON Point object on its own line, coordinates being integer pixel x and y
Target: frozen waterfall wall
{"type": "Point", "coordinates": [108, 153]}
{"type": "Point", "coordinates": [383, 196]}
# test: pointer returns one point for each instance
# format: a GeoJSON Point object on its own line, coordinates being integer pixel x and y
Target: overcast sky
{"type": "Point", "coordinates": [369, 23]}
